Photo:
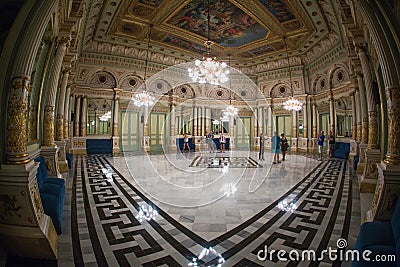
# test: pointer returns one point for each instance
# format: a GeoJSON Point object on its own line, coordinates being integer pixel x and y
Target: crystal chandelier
{"type": "Point", "coordinates": [230, 111]}
{"type": "Point", "coordinates": [144, 98]}
{"type": "Point", "coordinates": [292, 103]}
{"type": "Point", "coordinates": [209, 70]}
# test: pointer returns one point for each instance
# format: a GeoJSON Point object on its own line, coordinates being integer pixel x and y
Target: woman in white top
{"type": "Point", "coordinates": [186, 142]}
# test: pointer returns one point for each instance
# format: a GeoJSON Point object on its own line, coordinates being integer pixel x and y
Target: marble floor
{"type": "Point", "coordinates": [206, 209]}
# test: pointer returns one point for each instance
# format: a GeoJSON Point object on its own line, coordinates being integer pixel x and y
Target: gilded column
{"type": "Point", "coordinates": [269, 112]}
{"type": "Point", "coordinates": [22, 210]}
{"type": "Point", "coordinates": [208, 119]}
{"type": "Point", "coordinates": [67, 112]}
{"type": "Point", "coordinates": [332, 114]}
{"type": "Point", "coordinates": [48, 134]}
{"type": "Point", "coordinates": [372, 113]}
{"type": "Point", "coordinates": [314, 121]}
{"type": "Point", "coordinates": [260, 120]}
{"type": "Point", "coordinates": [305, 120]}
{"type": "Point", "coordinates": [359, 116]}
{"type": "Point", "coordinates": [60, 105]}
{"type": "Point", "coordinates": [17, 152]}
{"type": "Point", "coordinates": [195, 127]}
{"type": "Point", "coordinates": [393, 150]}
{"type": "Point", "coordinates": [83, 116]}
{"type": "Point", "coordinates": [116, 150]}
{"type": "Point", "coordinates": [354, 115]}
{"type": "Point", "coordinates": [363, 108]}
{"type": "Point", "coordinates": [294, 139]}
{"type": "Point", "coordinates": [77, 115]}
{"type": "Point", "coordinates": [203, 121]}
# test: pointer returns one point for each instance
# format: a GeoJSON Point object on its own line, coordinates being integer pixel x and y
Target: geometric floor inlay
{"type": "Point", "coordinates": [106, 231]}
{"type": "Point", "coordinates": [220, 162]}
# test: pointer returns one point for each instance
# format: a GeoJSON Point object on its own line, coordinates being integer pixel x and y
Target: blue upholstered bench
{"type": "Point", "coordinates": [342, 150]}
{"type": "Point", "coordinates": [52, 193]}
{"type": "Point", "coordinates": [381, 238]}
{"type": "Point", "coordinates": [99, 146]}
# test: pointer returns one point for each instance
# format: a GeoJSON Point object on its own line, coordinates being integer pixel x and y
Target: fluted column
{"type": "Point", "coordinates": [60, 106]}
{"type": "Point", "coordinates": [77, 115]}
{"type": "Point", "coordinates": [359, 116]}
{"type": "Point", "coordinates": [372, 113]}
{"type": "Point", "coordinates": [203, 121]}
{"type": "Point", "coordinates": [305, 120]}
{"type": "Point", "coordinates": [260, 120]}
{"type": "Point", "coordinates": [255, 134]}
{"type": "Point", "coordinates": [332, 114]}
{"type": "Point", "coordinates": [354, 115]}
{"type": "Point", "coordinates": [67, 112]}
{"type": "Point", "coordinates": [270, 120]}
{"type": "Point", "coordinates": [208, 119]}
{"type": "Point", "coordinates": [34, 95]}
{"type": "Point", "coordinates": [195, 126]}
{"type": "Point", "coordinates": [83, 116]}
{"type": "Point", "coordinates": [116, 150]}
{"type": "Point", "coordinates": [363, 108]}
{"type": "Point", "coordinates": [48, 134]}
{"type": "Point", "coordinates": [116, 116]}
{"type": "Point", "coordinates": [23, 210]}
{"type": "Point", "coordinates": [314, 119]}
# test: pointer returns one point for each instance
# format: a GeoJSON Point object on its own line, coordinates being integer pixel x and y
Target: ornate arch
{"type": "Point", "coordinates": [102, 79]}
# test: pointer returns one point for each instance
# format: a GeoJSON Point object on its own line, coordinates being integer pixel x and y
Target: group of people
{"type": "Point", "coordinates": [279, 144]}
{"type": "Point", "coordinates": [211, 144]}
{"type": "Point", "coordinates": [331, 143]}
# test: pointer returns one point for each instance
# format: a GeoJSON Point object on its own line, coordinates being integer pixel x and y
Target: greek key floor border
{"type": "Point", "coordinates": [106, 232]}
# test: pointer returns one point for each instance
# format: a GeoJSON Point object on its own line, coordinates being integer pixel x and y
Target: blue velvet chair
{"type": "Point", "coordinates": [381, 238]}
{"type": "Point", "coordinates": [70, 160]}
{"type": "Point", "coordinates": [52, 193]}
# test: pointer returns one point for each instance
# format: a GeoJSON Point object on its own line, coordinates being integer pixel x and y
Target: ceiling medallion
{"type": "Point", "coordinates": [144, 98]}
{"type": "Point", "coordinates": [209, 69]}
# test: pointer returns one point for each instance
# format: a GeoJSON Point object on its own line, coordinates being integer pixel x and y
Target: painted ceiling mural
{"type": "Point", "coordinates": [248, 29]}
{"type": "Point", "coordinates": [229, 25]}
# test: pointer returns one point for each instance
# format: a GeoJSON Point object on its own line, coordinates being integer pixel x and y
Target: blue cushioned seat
{"type": "Point", "coordinates": [52, 192]}
{"type": "Point", "coordinates": [381, 238]}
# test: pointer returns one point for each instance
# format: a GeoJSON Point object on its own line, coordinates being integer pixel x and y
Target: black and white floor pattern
{"type": "Point", "coordinates": [106, 232]}
{"type": "Point", "coordinates": [221, 161]}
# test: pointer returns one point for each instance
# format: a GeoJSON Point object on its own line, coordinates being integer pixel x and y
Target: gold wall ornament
{"type": "Point", "coordinates": [364, 133]}
{"type": "Point", "coordinates": [373, 130]}
{"type": "Point", "coordinates": [60, 127]}
{"type": "Point", "coordinates": [393, 151]}
{"type": "Point", "coordinates": [359, 131]}
{"type": "Point", "coordinates": [16, 120]}
{"type": "Point", "coordinates": [65, 129]}
{"type": "Point", "coordinates": [32, 125]}
{"type": "Point", "coordinates": [48, 126]}
{"type": "Point", "coordinates": [9, 207]}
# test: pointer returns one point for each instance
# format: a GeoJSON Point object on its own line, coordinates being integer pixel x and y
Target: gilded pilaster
{"type": "Point", "coordinates": [48, 126]}
{"type": "Point", "coordinates": [314, 121]}
{"type": "Point", "coordinates": [16, 120]}
{"type": "Point", "coordinates": [373, 130]}
{"type": "Point", "coordinates": [393, 150]}
{"type": "Point", "coordinates": [77, 115]}
{"type": "Point", "coordinates": [32, 124]}
{"type": "Point", "coordinates": [83, 116]}
{"type": "Point", "coordinates": [67, 112]}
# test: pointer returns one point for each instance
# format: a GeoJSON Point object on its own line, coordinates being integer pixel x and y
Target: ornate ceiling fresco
{"type": "Point", "coordinates": [249, 30]}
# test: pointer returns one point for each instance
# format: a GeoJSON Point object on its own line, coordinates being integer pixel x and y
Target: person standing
{"type": "Point", "coordinates": [186, 142]}
{"type": "Point", "coordinates": [222, 142]}
{"type": "Point", "coordinates": [321, 139]}
{"type": "Point", "coordinates": [262, 145]}
{"type": "Point", "coordinates": [210, 141]}
{"type": "Point", "coordinates": [276, 147]}
{"type": "Point", "coordinates": [331, 142]}
{"type": "Point", "coordinates": [284, 145]}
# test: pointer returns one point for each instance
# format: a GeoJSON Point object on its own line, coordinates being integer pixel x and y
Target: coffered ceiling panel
{"type": "Point", "coordinates": [247, 29]}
